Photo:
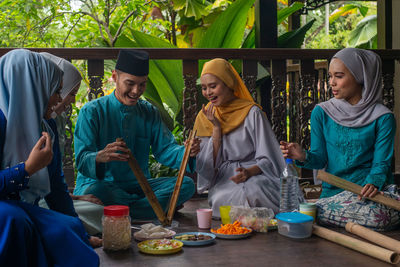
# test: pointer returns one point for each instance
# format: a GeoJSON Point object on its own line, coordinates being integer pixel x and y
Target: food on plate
{"type": "Point", "coordinates": [152, 231]}
{"type": "Point", "coordinates": [160, 244]}
{"type": "Point", "coordinates": [231, 229]}
{"type": "Point", "coordinates": [193, 237]}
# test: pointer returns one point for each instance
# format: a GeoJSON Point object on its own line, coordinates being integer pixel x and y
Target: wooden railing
{"type": "Point", "coordinates": [300, 72]}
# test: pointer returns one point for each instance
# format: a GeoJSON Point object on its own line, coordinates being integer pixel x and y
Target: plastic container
{"type": "Point", "coordinates": [116, 228]}
{"type": "Point", "coordinates": [294, 224]}
{"type": "Point", "coordinates": [289, 188]}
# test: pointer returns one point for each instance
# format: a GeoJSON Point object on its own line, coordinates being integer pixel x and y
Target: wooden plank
{"type": "Point", "coordinates": [144, 184]}
{"type": "Point", "coordinates": [260, 54]}
{"type": "Point", "coordinates": [96, 67]}
{"type": "Point", "coordinates": [356, 189]}
{"type": "Point", "coordinates": [179, 179]}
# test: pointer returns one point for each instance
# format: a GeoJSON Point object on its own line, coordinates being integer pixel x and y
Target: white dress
{"type": "Point", "coordinates": [252, 143]}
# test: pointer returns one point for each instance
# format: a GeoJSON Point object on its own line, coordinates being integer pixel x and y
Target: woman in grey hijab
{"type": "Point", "coordinates": [358, 132]}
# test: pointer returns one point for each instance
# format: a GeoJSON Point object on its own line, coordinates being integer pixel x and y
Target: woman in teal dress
{"type": "Point", "coordinates": [352, 136]}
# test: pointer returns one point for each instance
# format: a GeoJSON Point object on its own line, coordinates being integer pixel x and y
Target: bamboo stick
{"type": "Point", "coordinates": [358, 245]}
{"type": "Point", "coordinates": [144, 184]}
{"type": "Point", "coordinates": [179, 179]}
{"type": "Point", "coordinates": [356, 189]}
{"type": "Point", "coordinates": [373, 236]}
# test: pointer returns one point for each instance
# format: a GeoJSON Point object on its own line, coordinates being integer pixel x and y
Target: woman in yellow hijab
{"type": "Point", "coordinates": [240, 160]}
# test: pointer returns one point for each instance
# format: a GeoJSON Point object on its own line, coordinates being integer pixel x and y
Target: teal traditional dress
{"type": "Point", "coordinates": [360, 155]}
{"type": "Point", "coordinates": [355, 142]}
{"type": "Point", "coordinates": [103, 120]}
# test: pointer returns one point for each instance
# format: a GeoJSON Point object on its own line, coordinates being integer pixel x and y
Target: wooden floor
{"type": "Point", "coordinates": [270, 249]}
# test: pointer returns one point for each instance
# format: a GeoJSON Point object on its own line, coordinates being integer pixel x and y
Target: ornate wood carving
{"type": "Point", "coordinates": [189, 102]}
{"type": "Point", "coordinates": [278, 99]}
{"type": "Point", "coordinates": [250, 82]}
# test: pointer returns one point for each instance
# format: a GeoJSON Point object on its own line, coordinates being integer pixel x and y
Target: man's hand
{"type": "Point", "coordinates": [117, 151]}
{"type": "Point", "coordinates": [95, 242]}
{"type": "Point", "coordinates": [41, 154]}
{"type": "Point", "coordinates": [195, 149]}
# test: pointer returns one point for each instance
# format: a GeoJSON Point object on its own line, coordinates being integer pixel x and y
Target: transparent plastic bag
{"type": "Point", "coordinates": [254, 218]}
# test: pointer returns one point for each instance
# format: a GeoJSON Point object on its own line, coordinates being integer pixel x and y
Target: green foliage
{"type": "Point", "coordinates": [365, 34]}
{"type": "Point", "coordinates": [348, 9]}
{"type": "Point", "coordinates": [284, 13]}
{"type": "Point", "coordinates": [295, 38]}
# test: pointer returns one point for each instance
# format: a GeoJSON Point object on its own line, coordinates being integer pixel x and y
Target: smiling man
{"type": "Point", "coordinates": [102, 161]}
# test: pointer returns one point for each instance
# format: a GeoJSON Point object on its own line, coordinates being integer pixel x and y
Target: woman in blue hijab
{"type": "Point", "coordinates": [30, 235]}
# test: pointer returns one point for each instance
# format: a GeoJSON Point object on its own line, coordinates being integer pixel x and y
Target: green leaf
{"type": "Point", "coordinates": [294, 39]}
{"type": "Point", "coordinates": [287, 11]}
{"type": "Point", "coordinates": [250, 41]}
{"type": "Point", "coordinates": [192, 8]}
{"type": "Point", "coordinates": [349, 8]}
{"type": "Point", "coordinates": [228, 29]}
{"type": "Point", "coordinates": [364, 32]}
{"type": "Point", "coordinates": [166, 75]}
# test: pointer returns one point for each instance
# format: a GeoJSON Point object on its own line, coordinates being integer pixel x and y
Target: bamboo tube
{"type": "Point", "coordinates": [361, 246]}
{"type": "Point", "coordinates": [144, 184]}
{"type": "Point", "coordinates": [373, 236]}
{"type": "Point", "coordinates": [356, 189]}
{"type": "Point", "coordinates": [179, 180]}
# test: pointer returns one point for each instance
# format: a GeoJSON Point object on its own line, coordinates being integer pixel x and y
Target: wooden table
{"type": "Point", "coordinates": [270, 249]}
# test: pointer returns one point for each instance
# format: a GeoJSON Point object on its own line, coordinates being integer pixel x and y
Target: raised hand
{"type": "Point", "coordinates": [116, 151]}
{"type": "Point", "coordinates": [41, 154]}
{"type": "Point", "coordinates": [292, 151]}
{"type": "Point", "coordinates": [210, 114]}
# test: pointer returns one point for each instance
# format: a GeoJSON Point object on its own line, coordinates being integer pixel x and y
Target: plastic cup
{"type": "Point", "coordinates": [309, 209]}
{"type": "Point", "coordinates": [204, 218]}
{"type": "Point", "coordinates": [224, 212]}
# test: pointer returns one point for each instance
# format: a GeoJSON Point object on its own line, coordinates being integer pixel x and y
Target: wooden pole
{"type": "Point", "coordinates": [144, 184]}
{"type": "Point", "coordinates": [373, 236]}
{"type": "Point", "coordinates": [356, 189]}
{"type": "Point", "coordinates": [361, 246]}
{"type": "Point", "coordinates": [179, 179]}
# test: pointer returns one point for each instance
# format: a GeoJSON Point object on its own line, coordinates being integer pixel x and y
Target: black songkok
{"type": "Point", "coordinates": [134, 62]}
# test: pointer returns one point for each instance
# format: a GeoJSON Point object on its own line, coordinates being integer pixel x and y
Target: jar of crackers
{"type": "Point", "coordinates": [116, 228]}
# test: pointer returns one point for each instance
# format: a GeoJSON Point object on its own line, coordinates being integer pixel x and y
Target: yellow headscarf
{"type": "Point", "coordinates": [233, 114]}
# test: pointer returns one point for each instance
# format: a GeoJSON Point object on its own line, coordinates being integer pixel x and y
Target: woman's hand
{"type": "Point", "coordinates": [88, 198]}
{"type": "Point", "coordinates": [111, 152]}
{"type": "Point", "coordinates": [292, 151]}
{"type": "Point", "coordinates": [242, 176]}
{"type": "Point", "coordinates": [195, 149]}
{"type": "Point", "coordinates": [41, 154]}
{"type": "Point", "coordinates": [369, 190]}
{"type": "Point", "coordinates": [245, 173]}
{"type": "Point", "coordinates": [210, 114]}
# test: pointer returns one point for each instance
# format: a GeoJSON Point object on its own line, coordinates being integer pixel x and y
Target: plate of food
{"type": "Point", "coordinates": [160, 246]}
{"type": "Point", "coordinates": [195, 238]}
{"type": "Point", "coordinates": [232, 231]}
{"type": "Point", "coordinates": [151, 231]}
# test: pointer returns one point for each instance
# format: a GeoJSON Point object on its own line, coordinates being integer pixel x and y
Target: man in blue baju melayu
{"type": "Point", "coordinates": [102, 161]}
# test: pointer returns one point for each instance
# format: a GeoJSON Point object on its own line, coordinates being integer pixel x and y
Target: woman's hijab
{"type": "Point", "coordinates": [366, 68]}
{"type": "Point", "coordinates": [27, 80]}
{"type": "Point", "coordinates": [231, 115]}
{"type": "Point", "coordinates": [72, 77]}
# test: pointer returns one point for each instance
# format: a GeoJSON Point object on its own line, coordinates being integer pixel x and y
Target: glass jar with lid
{"type": "Point", "coordinates": [116, 228]}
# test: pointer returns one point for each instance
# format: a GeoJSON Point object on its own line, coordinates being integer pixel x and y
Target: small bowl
{"type": "Point", "coordinates": [294, 224]}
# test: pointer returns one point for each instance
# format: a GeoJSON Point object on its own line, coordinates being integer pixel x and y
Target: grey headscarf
{"type": "Point", "coordinates": [27, 80]}
{"type": "Point", "coordinates": [72, 76]}
{"type": "Point", "coordinates": [366, 68]}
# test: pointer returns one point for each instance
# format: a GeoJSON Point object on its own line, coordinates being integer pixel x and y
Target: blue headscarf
{"type": "Point", "coordinates": [27, 80]}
